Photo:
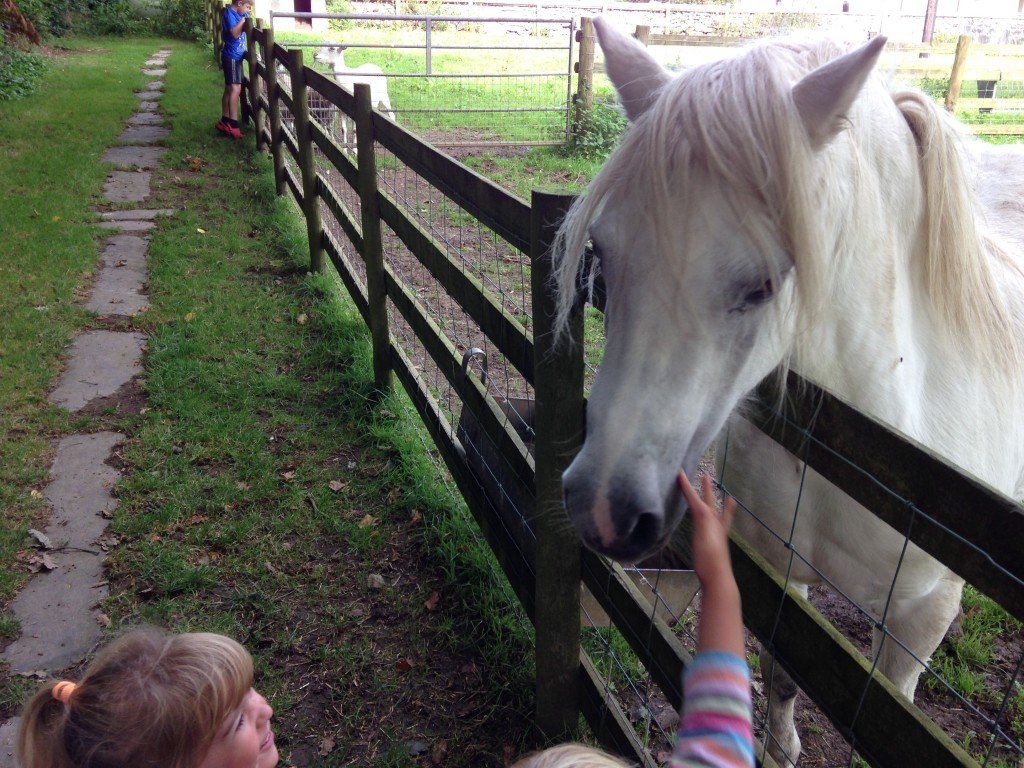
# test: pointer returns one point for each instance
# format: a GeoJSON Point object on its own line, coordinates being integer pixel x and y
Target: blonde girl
{"type": "Point", "coordinates": [153, 700]}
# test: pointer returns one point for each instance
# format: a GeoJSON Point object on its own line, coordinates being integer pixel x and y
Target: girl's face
{"type": "Point", "coordinates": [244, 739]}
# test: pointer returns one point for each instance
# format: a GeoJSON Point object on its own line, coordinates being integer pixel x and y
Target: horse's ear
{"type": "Point", "coordinates": [825, 95]}
{"type": "Point", "coordinates": [636, 76]}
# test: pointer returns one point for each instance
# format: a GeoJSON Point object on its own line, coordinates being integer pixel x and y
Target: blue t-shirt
{"type": "Point", "coordinates": [234, 47]}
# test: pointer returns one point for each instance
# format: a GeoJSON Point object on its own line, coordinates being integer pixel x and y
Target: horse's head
{"type": "Point", "coordinates": [701, 224]}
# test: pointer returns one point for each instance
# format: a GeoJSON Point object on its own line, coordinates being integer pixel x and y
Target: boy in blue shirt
{"type": "Point", "coordinates": [231, 57]}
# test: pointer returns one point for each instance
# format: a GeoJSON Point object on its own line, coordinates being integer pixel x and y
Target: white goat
{"type": "Point", "coordinates": [347, 77]}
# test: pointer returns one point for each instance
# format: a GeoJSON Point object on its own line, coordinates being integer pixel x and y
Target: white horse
{"type": "Point", "coordinates": [347, 77]}
{"type": "Point", "coordinates": [786, 207]}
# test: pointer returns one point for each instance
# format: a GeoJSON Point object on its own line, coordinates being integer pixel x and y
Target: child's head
{"type": "Point", "coordinates": [570, 756]}
{"type": "Point", "coordinates": [244, 5]}
{"type": "Point", "coordinates": [148, 699]}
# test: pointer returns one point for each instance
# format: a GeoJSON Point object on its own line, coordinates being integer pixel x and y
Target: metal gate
{"type": "Point", "coordinates": [463, 81]}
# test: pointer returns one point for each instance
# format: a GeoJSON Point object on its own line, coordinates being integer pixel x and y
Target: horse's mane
{"type": "Point", "coordinates": [741, 126]}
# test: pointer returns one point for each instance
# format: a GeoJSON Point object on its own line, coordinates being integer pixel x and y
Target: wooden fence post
{"type": "Point", "coordinates": [963, 46]}
{"type": "Point", "coordinates": [275, 112]}
{"type": "Point", "coordinates": [373, 244]}
{"type": "Point", "coordinates": [643, 34]}
{"type": "Point", "coordinates": [307, 161]}
{"type": "Point", "coordinates": [254, 84]}
{"type": "Point", "coordinates": [558, 384]}
{"type": "Point", "coordinates": [585, 72]}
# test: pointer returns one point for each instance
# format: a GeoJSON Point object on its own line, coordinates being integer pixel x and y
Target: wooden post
{"type": "Point", "coordinates": [254, 84]}
{"type": "Point", "coordinates": [643, 34]}
{"type": "Point", "coordinates": [373, 244]}
{"type": "Point", "coordinates": [558, 384]}
{"type": "Point", "coordinates": [307, 161]}
{"type": "Point", "coordinates": [275, 113]}
{"type": "Point", "coordinates": [963, 45]}
{"type": "Point", "coordinates": [585, 70]}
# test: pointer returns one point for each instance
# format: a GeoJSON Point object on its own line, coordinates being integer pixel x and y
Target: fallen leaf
{"type": "Point", "coordinates": [301, 319]}
{"type": "Point", "coordinates": [200, 230]}
{"type": "Point", "coordinates": [439, 753]}
{"type": "Point", "coordinates": [432, 600]}
{"type": "Point", "coordinates": [336, 485]}
{"type": "Point", "coordinates": [394, 495]}
{"type": "Point", "coordinates": [326, 746]}
{"type": "Point", "coordinates": [103, 620]}
{"type": "Point", "coordinates": [415, 518]}
{"type": "Point", "coordinates": [190, 316]}
{"type": "Point", "coordinates": [35, 494]}
{"type": "Point", "coordinates": [56, 218]}
{"type": "Point", "coordinates": [41, 562]}
{"type": "Point", "coordinates": [368, 521]}
{"type": "Point", "coordinates": [41, 538]}
{"type": "Point", "coordinates": [242, 486]}
{"type": "Point", "coordinates": [288, 476]}
{"type": "Point", "coordinates": [403, 665]}
{"type": "Point", "coordinates": [375, 581]}
{"type": "Point", "coordinates": [270, 567]}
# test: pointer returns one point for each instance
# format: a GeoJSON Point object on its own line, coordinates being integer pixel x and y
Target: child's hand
{"type": "Point", "coordinates": [710, 531]}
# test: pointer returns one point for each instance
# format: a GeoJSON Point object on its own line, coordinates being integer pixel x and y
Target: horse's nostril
{"type": "Point", "coordinates": [646, 531]}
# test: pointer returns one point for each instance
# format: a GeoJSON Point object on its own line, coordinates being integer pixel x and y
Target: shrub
{"type": "Point", "coordinates": [112, 17]}
{"type": "Point", "coordinates": [20, 72]}
{"type": "Point", "coordinates": [339, 6]}
{"type": "Point", "coordinates": [51, 17]}
{"type": "Point", "coordinates": [599, 132]}
{"type": "Point", "coordinates": [936, 87]}
{"type": "Point", "coordinates": [183, 19]}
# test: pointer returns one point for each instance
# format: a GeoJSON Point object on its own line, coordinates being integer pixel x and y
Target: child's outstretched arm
{"type": "Point", "coordinates": [715, 727]}
{"type": "Point", "coordinates": [721, 626]}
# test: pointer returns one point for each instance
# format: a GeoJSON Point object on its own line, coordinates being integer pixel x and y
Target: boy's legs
{"type": "Point", "coordinates": [233, 94]}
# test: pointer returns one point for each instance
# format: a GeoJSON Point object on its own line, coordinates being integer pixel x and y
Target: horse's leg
{"type": "Point", "coordinates": [783, 741]}
{"type": "Point", "coordinates": [920, 622]}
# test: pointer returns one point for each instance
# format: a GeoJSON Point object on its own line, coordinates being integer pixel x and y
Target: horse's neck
{"type": "Point", "coordinates": [877, 343]}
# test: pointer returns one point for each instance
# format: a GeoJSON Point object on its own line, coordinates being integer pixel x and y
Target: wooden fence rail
{"type": "Point", "coordinates": [544, 564]}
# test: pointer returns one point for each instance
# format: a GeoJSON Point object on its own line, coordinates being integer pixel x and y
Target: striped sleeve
{"type": "Point", "coordinates": [715, 730]}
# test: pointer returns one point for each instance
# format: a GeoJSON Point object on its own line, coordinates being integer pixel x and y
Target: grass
{"type": "Point", "coordinates": [265, 483]}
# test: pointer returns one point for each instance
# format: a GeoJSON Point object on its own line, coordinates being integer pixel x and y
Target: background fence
{"type": "Point", "coordinates": [465, 81]}
{"type": "Point", "coordinates": [982, 84]}
{"type": "Point", "coordinates": [449, 272]}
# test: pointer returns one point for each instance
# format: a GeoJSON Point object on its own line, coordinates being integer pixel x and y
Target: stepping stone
{"type": "Point", "coordinates": [154, 62]}
{"type": "Point", "coordinates": [148, 95]}
{"type": "Point", "coordinates": [127, 225]}
{"type": "Point", "coordinates": [143, 134]}
{"type": "Point", "coordinates": [57, 610]}
{"type": "Point", "coordinates": [148, 106]}
{"type": "Point", "coordinates": [120, 285]}
{"type": "Point", "coordinates": [154, 72]}
{"type": "Point", "coordinates": [100, 363]}
{"type": "Point", "coordinates": [8, 734]}
{"type": "Point", "coordinates": [146, 118]}
{"type": "Point", "coordinates": [136, 214]}
{"type": "Point", "coordinates": [155, 85]}
{"type": "Point", "coordinates": [127, 186]}
{"type": "Point", "coordinates": [134, 157]}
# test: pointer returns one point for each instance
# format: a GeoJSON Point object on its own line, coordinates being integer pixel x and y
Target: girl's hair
{"type": "Point", "coordinates": [150, 699]}
{"type": "Point", "coordinates": [571, 756]}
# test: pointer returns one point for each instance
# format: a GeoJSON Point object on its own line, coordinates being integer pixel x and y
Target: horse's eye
{"type": "Point", "coordinates": [761, 295]}
{"type": "Point", "coordinates": [755, 298]}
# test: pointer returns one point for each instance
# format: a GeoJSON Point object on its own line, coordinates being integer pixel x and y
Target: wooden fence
{"type": "Point", "coordinates": [997, 70]}
{"type": "Point", "coordinates": [542, 559]}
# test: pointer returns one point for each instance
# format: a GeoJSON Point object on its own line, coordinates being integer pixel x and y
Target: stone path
{"type": "Point", "coordinates": [58, 610]}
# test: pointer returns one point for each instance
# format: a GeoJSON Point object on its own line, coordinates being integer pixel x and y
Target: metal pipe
{"type": "Point", "coordinates": [406, 17]}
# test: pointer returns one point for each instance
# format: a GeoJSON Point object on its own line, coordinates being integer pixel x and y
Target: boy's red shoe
{"type": "Point", "coordinates": [235, 133]}
{"type": "Point", "coordinates": [224, 128]}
